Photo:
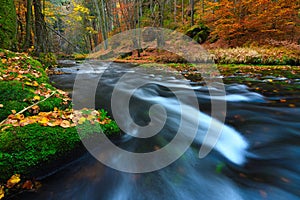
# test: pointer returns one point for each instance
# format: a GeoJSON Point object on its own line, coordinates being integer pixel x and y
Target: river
{"type": "Point", "coordinates": [256, 156]}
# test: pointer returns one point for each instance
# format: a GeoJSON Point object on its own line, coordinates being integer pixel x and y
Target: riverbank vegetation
{"type": "Point", "coordinates": [38, 125]}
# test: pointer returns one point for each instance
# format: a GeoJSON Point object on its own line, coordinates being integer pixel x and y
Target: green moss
{"type": "Point", "coordinates": [110, 129]}
{"type": "Point", "coordinates": [13, 90]}
{"type": "Point", "coordinates": [12, 97]}
{"type": "Point", "coordinates": [51, 103]}
{"type": "Point", "coordinates": [198, 32]}
{"type": "Point", "coordinates": [8, 22]}
{"type": "Point", "coordinates": [17, 96]}
{"type": "Point", "coordinates": [22, 148]}
{"type": "Point", "coordinates": [48, 60]}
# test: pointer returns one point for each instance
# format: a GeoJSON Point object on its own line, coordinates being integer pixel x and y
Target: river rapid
{"type": "Point", "coordinates": [256, 156]}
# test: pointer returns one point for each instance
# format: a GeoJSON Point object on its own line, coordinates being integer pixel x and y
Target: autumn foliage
{"type": "Point", "coordinates": [248, 20]}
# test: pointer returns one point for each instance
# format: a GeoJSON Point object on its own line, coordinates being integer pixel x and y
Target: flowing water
{"type": "Point", "coordinates": [256, 156]}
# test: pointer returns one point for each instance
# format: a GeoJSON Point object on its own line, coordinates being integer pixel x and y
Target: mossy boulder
{"type": "Point", "coordinates": [198, 32]}
{"type": "Point", "coordinates": [37, 123]}
{"type": "Point", "coordinates": [149, 34]}
{"type": "Point", "coordinates": [23, 148]}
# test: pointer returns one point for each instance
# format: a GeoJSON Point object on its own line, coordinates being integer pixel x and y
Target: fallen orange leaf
{"type": "Point", "coordinates": [27, 185]}
{"type": "Point", "coordinates": [20, 76]}
{"type": "Point", "coordinates": [13, 180]}
{"type": "Point", "coordinates": [65, 124]}
{"type": "Point", "coordinates": [35, 107]}
{"type": "Point", "coordinates": [2, 192]}
{"type": "Point", "coordinates": [35, 84]}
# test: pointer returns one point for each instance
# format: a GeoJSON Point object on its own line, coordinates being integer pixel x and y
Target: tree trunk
{"type": "Point", "coordinates": [192, 12]}
{"type": "Point", "coordinates": [27, 41]}
{"type": "Point", "coordinates": [104, 23]}
{"type": "Point", "coordinates": [160, 35]}
{"type": "Point", "coordinates": [182, 11]}
{"type": "Point", "coordinates": [175, 10]}
{"type": "Point", "coordinates": [100, 24]}
{"type": "Point", "coordinates": [41, 42]}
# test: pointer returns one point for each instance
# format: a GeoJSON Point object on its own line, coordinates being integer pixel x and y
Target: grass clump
{"type": "Point", "coordinates": [257, 55]}
{"type": "Point", "coordinates": [79, 56]}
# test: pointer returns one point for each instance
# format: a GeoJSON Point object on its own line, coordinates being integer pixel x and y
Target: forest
{"type": "Point", "coordinates": [63, 26]}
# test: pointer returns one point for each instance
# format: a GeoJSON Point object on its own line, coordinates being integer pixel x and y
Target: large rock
{"type": "Point", "coordinates": [149, 34]}
{"type": "Point", "coordinates": [198, 32]}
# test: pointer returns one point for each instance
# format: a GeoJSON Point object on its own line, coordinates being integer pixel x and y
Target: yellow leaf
{"type": "Point", "coordinates": [28, 83]}
{"type": "Point", "coordinates": [90, 117]}
{"type": "Point", "coordinates": [81, 120]}
{"type": "Point", "coordinates": [37, 98]}
{"type": "Point", "coordinates": [13, 180]}
{"type": "Point", "coordinates": [19, 116]}
{"type": "Point", "coordinates": [35, 84]}
{"type": "Point", "coordinates": [19, 76]}
{"type": "Point", "coordinates": [1, 105]}
{"type": "Point", "coordinates": [13, 111]}
{"type": "Point", "coordinates": [2, 192]}
{"type": "Point", "coordinates": [44, 120]}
